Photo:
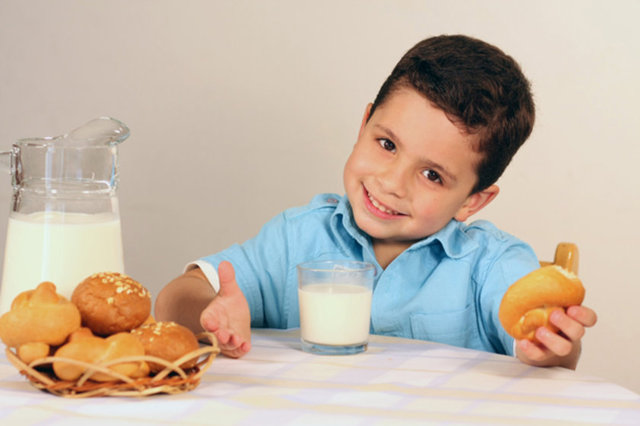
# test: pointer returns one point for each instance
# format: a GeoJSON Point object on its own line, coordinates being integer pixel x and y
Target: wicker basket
{"type": "Point", "coordinates": [171, 380]}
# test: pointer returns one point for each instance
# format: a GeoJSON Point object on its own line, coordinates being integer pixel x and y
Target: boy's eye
{"type": "Point", "coordinates": [387, 144]}
{"type": "Point", "coordinates": [433, 176]}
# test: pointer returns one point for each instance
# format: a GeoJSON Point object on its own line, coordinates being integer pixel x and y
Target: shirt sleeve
{"type": "Point", "coordinates": [209, 272]}
{"type": "Point", "coordinates": [261, 267]}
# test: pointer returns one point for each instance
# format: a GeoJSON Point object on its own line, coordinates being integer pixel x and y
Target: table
{"type": "Point", "coordinates": [397, 381]}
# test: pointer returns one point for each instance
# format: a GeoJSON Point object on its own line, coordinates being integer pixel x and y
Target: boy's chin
{"type": "Point", "coordinates": [381, 233]}
{"type": "Point", "coordinates": [378, 232]}
{"type": "Point", "coordinates": [372, 230]}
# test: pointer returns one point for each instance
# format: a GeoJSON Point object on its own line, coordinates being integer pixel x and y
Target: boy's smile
{"type": "Point", "coordinates": [378, 209]}
{"type": "Point", "coordinates": [411, 171]}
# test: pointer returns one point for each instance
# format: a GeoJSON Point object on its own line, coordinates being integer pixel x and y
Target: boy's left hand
{"type": "Point", "coordinates": [561, 348]}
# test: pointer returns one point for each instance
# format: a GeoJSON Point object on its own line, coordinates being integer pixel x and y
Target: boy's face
{"type": "Point", "coordinates": [411, 171]}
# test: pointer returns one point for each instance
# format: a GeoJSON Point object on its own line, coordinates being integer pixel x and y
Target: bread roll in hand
{"type": "Point", "coordinates": [529, 302]}
{"type": "Point", "coordinates": [38, 319]}
{"type": "Point", "coordinates": [84, 346]}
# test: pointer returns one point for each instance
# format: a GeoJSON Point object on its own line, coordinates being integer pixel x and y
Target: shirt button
{"type": "Point", "coordinates": [332, 201]}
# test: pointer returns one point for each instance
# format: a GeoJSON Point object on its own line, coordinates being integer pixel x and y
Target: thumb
{"type": "Point", "coordinates": [227, 277]}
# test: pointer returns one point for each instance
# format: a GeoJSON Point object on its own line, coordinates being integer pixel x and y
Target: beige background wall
{"type": "Point", "coordinates": [239, 109]}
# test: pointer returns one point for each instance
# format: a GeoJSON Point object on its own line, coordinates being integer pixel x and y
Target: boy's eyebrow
{"type": "Point", "coordinates": [441, 169]}
{"type": "Point", "coordinates": [432, 164]}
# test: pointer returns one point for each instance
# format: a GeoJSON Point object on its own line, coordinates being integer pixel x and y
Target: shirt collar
{"type": "Point", "coordinates": [342, 220]}
{"type": "Point", "coordinates": [452, 238]}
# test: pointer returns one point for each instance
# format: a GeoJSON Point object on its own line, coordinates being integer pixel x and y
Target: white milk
{"type": "Point", "coordinates": [63, 248]}
{"type": "Point", "coordinates": [335, 314]}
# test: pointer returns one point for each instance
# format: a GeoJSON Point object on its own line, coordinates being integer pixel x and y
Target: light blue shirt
{"type": "Point", "coordinates": [446, 288]}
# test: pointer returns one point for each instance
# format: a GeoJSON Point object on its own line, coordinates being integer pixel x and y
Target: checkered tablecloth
{"type": "Point", "coordinates": [396, 381]}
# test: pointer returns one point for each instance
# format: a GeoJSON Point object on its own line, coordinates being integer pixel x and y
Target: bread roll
{"type": "Point", "coordinates": [84, 346]}
{"type": "Point", "coordinates": [167, 340]}
{"type": "Point", "coordinates": [110, 302]}
{"type": "Point", "coordinates": [32, 351]}
{"type": "Point", "coordinates": [39, 315]}
{"type": "Point", "coordinates": [529, 302]}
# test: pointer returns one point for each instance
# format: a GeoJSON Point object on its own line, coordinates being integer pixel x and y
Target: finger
{"type": "Point", "coordinates": [236, 348]}
{"type": "Point", "coordinates": [571, 328]}
{"type": "Point", "coordinates": [223, 337]}
{"type": "Point", "coordinates": [230, 350]}
{"type": "Point", "coordinates": [208, 319]}
{"type": "Point", "coordinates": [241, 343]}
{"type": "Point", "coordinates": [553, 342]}
{"type": "Point", "coordinates": [232, 353]}
{"type": "Point", "coordinates": [234, 342]}
{"type": "Point", "coordinates": [583, 315]}
{"type": "Point", "coordinates": [533, 351]}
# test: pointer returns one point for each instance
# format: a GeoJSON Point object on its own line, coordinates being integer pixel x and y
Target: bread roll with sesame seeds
{"type": "Point", "coordinates": [167, 340]}
{"type": "Point", "coordinates": [110, 302]}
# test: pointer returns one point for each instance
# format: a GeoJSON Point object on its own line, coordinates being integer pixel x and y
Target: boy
{"type": "Point", "coordinates": [440, 132]}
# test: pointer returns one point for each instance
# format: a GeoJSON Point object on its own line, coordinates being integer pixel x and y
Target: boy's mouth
{"type": "Point", "coordinates": [377, 208]}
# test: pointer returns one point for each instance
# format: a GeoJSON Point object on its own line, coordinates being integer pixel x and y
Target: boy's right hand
{"type": "Point", "coordinates": [227, 316]}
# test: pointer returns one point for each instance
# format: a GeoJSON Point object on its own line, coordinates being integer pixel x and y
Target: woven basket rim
{"type": "Point", "coordinates": [170, 380]}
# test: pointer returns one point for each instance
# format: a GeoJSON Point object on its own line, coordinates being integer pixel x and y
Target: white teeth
{"type": "Point", "coordinates": [379, 206]}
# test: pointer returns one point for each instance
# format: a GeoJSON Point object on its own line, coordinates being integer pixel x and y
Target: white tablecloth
{"type": "Point", "coordinates": [395, 381]}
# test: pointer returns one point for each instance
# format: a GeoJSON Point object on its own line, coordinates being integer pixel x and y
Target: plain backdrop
{"type": "Point", "coordinates": [240, 109]}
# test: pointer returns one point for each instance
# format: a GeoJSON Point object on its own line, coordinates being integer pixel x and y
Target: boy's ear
{"type": "Point", "coordinates": [365, 118]}
{"type": "Point", "coordinates": [476, 202]}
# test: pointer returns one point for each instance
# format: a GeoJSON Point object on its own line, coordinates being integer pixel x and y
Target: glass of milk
{"type": "Point", "coordinates": [64, 223]}
{"type": "Point", "coordinates": [335, 306]}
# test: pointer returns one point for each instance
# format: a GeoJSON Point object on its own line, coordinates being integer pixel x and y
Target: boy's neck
{"type": "Point", "coordinates": [387, 251]}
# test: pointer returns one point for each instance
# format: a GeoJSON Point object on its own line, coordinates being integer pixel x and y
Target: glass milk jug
{"type": "Point", "coordinates": [64, 223]}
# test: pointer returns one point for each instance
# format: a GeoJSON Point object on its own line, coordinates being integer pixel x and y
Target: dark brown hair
{"type": "Point", "coordinates": [480, 88]}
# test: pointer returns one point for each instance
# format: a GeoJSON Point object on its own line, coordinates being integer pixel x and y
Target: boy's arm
{"type": "Point", "coordinates": [562, 348]}
{"type": "Point", "coordinates": [184, 298]}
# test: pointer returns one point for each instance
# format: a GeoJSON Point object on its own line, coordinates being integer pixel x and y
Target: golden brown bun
{"type": "Point", "coordinates": [84, 346]}
{"type": "Point", "coordinates": [167, 340]}
{"type": "Point", "coordinates": [528, 303]}
{"type": "Point", "coordinates": [111, 302]}
{"type": "Point", "coordinates": [39, 315]}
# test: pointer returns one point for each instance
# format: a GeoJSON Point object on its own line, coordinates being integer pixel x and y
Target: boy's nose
{"type": "Point", "coordinates": [393, 180]}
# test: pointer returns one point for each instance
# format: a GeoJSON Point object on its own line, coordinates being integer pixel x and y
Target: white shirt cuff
{"type": "Point", "coordinates": [208, 270]}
